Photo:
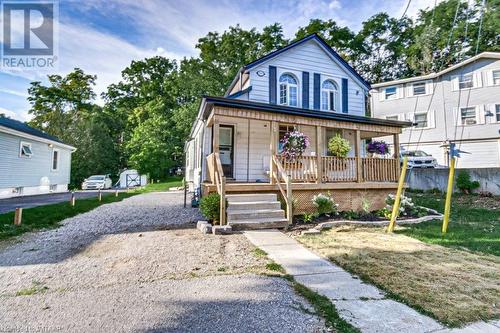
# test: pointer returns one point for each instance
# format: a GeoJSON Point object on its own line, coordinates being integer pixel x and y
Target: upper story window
{"type": "Point", "coordinates": [421, 120]}
{"type": "Point", "coordinates": [496, 77]}
{"type": "Point", "coordinates": [288, 90]}
{"type": "Point", "coordinates": [390, 92]}
{"type": "Point", "coordinates": [468, 116]}
{"type": "Point", "coordinates": [419, 88]}
{"type": "Point", "coordinates": [25, 149]}
{"type": "Point", "coordinates": [465, 81]}
{"type": "Point", "coordinates": [329, 96]}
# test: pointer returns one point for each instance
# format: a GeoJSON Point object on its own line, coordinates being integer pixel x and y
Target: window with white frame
{"type": "Point", "coordinates": [418, 88]}
{"type": "Point", "coordinates": [465, 81]}
{"type": "Point", "coordinates": [394, 117]}
{"type": "Point", "coordinates": [25, 150]}
{"type": "Point", "coordinates": [55, 159]}
{"type": "Point", "coordinates": [496, 77]}
{"type": "Point", "coordinates": [288, 90]}
{"type": "Point", "coordinates": [497, 112]}
{"type": "Point", "coordinates": [390, 93]}
{"type": "Point", "coordinates": [283, 129]}
{"type": "Point", "coordinates": [421, 120]}
{"type": "Point", "coordinates": [329, 96]}
{"type": "Point", "coordinates": [468, 116]}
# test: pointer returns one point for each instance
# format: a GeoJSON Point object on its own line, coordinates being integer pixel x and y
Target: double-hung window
{"type": "Point", "coordinates": [465, 81]}
{"type": "Point", "coordinates": [421, 120]}
{"type": "Point", "coordinates": [288, 90]}
{"type": "Point", "coordinates": [468, 116]}
{"type": "Point", "coordinates": [497, 112]}
{"type": "Point", "coordinates": [496, 77]}
{"type": "Point", "coordinates": [329, 96]}
{"type": "Point", "coordinates": [419, 89]}
{"type": "Point", "coordinates": [390, 92]}
{"type": "Point", "coordinates": [25, 150]}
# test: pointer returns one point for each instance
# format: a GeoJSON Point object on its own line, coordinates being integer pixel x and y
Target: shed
{"type": "Point", "coordinates": [132, 178]}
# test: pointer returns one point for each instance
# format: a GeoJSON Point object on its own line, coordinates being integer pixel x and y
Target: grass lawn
{"type": "Point", "coordinates": [50, 216]}
{"type": "Point", "coordinates": [452, 285]}
{"type": "Point", "coordinates": [474, 222]}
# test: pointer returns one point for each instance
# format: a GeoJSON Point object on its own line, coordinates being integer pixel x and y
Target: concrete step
{"type": "Point", "coordinates": [251, 197]}
{"type": "Point", "coordinates": [255, 214]}
{"type": "Point", "coordinates": [253, 205]}
{"type": "Point", "coordinates": [264, 223]}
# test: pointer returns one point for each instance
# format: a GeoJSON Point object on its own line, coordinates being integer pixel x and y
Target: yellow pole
{"type": "Point", "coordinates": [397, 200]}
{"type": "Point", "coordinates": [447, 205]}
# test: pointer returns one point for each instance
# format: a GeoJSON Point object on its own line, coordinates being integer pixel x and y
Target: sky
{"type": "Point", "coordinates": [103, 36]}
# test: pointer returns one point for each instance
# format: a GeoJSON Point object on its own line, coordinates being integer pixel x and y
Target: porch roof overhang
{"type": "Point", "coordinates": [208, 102]}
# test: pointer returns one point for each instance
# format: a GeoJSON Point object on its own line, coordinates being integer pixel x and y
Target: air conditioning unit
{"type": "Point", "coordinates": [470, 121]}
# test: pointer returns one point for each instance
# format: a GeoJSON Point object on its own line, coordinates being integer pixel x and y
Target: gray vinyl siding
{"type": "Point", "coordinates": [308, 57]}
{"type": "Point", "coordinates": [16, 171]}
{"type": "Point", "coordinates": [444, 106]}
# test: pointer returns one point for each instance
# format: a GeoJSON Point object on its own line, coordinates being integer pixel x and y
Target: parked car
{"type": "Point", "coordinates": [97, 182]}
{"type": "Point", "coordinates": [419, 159]}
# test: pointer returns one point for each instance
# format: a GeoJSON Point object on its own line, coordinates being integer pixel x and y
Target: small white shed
{"type": "Point", "coordinates": [132, 178]}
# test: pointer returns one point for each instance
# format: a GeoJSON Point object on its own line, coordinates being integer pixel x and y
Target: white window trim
{"type": "Point", "coordinates": [476, 81]}
{"type": "Point", "coordinates": [395, 93]}
{"type": "Point", "coordinates": [429, 88]}
{"type": "Point", "coordinates": [296, 76]}
{"type": "Point", "coordinates": [479, 115]}
{"type": "Point", "coordinates": [491, 81]}
{"type": "Point", "coordinates": [339, 87]}
{"type": "Point", "coordinates": [24, 143]}
{"type": "Point", "coordinates": [431, 119]}
{"type": "Point", "coordinates": [494, 111]}
{"type": "Point", "coordinates": [52, 159]}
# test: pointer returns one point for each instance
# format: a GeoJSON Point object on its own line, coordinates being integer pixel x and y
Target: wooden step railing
{"type": "Point", "coordinates": [216, 175]}
{"type": "Point", "coordinates": [277, 175]}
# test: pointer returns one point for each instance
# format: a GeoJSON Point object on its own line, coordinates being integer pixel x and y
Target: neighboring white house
{"type": "Point", "coordinates": [460, 104]}
{"type": "Point", "coordinates": [31, 161]}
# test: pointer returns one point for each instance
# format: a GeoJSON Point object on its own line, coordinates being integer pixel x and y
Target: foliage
{"type": "Point", "coordinates": [308, 218]}
{"type": "Point", "coordinates": [210, 206]}
{"type": "Point", "coordinates": [406, 207]}
{"type": "Point", "coordinates": [338, 146]}
{"type": "Point", "coordinates": [464, 183]}
{"type": "Point", "coordinates": [366, 204]}
{"type": "Point", "coordinates": [350, 215]}
{"type": "Point", "coordinates": [294, 144]}
{"type": "Point", "coordinates": [324, 203]}
{"type": "Point", "coordinates": [378, 147]}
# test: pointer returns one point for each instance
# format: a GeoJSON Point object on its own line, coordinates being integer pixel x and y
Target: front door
{"type": "Point", "coordinates": [226, 149]}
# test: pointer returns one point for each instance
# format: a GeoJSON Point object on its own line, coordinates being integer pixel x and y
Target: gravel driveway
{"type": "Point", "coordinates": [139, 265]}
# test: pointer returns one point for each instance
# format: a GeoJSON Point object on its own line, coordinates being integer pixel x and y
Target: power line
{"type": "Point", "coordinates": [406, 9]}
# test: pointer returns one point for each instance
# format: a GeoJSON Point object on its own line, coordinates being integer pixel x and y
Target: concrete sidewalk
{"type": "Point", "coordinates": [361, 304]}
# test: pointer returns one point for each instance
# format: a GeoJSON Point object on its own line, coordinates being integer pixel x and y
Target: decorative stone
{"type": "Point", "coordinates": [311, 232]}
{"type": "Point", "coordinates": [202, 224]}
{"type": "Point", "coordinates": [206, 228]}
{"type": "Point", "coordinates": [222, 230]}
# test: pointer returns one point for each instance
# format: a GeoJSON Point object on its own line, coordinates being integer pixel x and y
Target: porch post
{"type": "Point", "coordinates": [396, 153]}
{"type": "Point", "coordinates": [359, 164]}
{"type": "Point", "coordinates": [215, 144]}
{"type": "Point", "coordinates": [319, 149]}
{"type": "Point", "coordinates": [272, 149]}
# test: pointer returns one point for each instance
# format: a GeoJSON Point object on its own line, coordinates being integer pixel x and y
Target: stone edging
{"type": "Point", "coordinates": [331, 224]}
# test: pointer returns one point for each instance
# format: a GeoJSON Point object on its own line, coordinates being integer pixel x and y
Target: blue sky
{"type": "Point", "coordinates": [103, 36]}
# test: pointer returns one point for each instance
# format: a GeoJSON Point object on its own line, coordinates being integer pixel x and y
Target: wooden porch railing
{"type": "Point", "coordinates": [304, 169]}
{"type": "Point", "coordinates": [279, 174]}
{"type": "Point", "coordinates": [216, 175]}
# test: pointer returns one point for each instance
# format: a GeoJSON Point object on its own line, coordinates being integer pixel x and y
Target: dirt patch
{"type": "Point", "coordinates": [454, 286]}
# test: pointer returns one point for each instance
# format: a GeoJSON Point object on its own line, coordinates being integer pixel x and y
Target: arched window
{"type": "Point", "coordinates": [288, 90]}
{"type": "Point", "coordinates": [329, 96]}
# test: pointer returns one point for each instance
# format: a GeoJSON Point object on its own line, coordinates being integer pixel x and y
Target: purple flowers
{"type": "Point", "coordinates": [293, 145]}
{"type": "Point", "coordinates": [378, 147]}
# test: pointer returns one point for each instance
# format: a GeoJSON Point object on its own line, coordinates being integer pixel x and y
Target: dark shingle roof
{"type": "Point", "coordinates": [22, 127]}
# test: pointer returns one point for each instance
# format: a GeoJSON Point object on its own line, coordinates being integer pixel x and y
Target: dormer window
{"type": "Point", "coordinates": [329, 96]}
{"type": "Point", "coordinates": [288, 90]}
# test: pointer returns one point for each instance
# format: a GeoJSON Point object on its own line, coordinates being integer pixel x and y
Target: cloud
{"type": "Point", "coordinates": [18, 114]}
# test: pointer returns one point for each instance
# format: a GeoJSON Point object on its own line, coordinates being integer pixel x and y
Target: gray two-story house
{"type": "Point", "coordinates": [31, 161]}
{"type": "Point", "coordinates": [459, 105]}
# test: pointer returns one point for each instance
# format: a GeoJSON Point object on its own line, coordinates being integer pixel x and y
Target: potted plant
{"type": "Point", "coordinates": [339, 147]}
{"type": "Point", "coordinates": [293, 145]}
{"type": "Point", "coordinates": [377, 147]}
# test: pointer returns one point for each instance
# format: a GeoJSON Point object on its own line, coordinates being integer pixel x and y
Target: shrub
{"type": "Point", "coordinates": [324, 204]}
{"type": "Point", "coordinates": [308, 218]}
{"type": "Point", "coordinates": [338, 146]}
{"type": "Point", "coordinates": [350, 215]}
{"type": "Point", "coordinates": [210, 206]}
{"type": "Point", "coordinates": [464, 184]}
{"type": "Point", "coordinates": [366, 205]}
{"type": "Point", "coordinates": [406, 207]}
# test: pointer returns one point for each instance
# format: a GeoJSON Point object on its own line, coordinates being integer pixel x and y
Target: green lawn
{"type": "Point", "coordinates": [474, 222]}
{"type": "Point", "coordinates": [50, 216]}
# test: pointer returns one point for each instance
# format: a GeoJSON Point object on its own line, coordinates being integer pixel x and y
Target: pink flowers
{"type": "Point", "coordinates": [294, 144]}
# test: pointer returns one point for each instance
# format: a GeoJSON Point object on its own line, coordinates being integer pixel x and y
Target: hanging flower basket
{"type": "Point", "coordinates": [294, 144]}
{"type": "Point", "coordinates": [378, 147]}
{"type": "Point", "coordinates": [338, 147]}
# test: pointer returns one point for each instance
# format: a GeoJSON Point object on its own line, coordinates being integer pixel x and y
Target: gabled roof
{"type": "Point", "coordinates": [314, 37]}
{"type": "Point", "coordinates": [209, 101]}
{"type": "Point", "coordinates": [491, 55]}
{"type": "Point", "coordinates": [23, 128]}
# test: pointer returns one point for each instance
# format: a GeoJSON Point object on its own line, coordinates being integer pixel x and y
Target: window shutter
{"type": "Point", "coordinates": [456, 112]}
{"type": "Point", "coordinates": [305, 90]}
{"type": "Point", "coordinates": [429, 87]}
{"type": "Point", "coordinates": [478, 81]}
{"type": "Point", "coordinates": [345, 97]}
{"type": "Point", "coordinates": [400, 93]}
{"type": "Point", "coordinates": [272, 85]}
{"type": "Point", "coordinates": [381, 94]}
{"type": "Point", "coordinates": [480, 116]}
{"type": "Point", "coordinates": [317, 91]}
{"type": "Point", "coordinates": [431, 119]}
{"type": "Point", "coordinates": [409, 90]}
{"type": "Point", "coordinates": [454, 83]}
{"type": "Point", "coordinates": [489, 78]}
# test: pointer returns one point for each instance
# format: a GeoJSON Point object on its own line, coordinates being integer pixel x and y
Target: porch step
{"type": "Point", "coordinates": [264, 223]}
{"type": "Point", "coordinates": [251, 214]}
{"type": "Point", "coordinates": [251, 197]}
{"type": "Point", "coordinates": [251, 205]}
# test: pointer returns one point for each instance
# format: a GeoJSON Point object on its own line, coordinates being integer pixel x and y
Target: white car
{"type": "Point", "coordinates": [419, 159]}
{"type": "Point", "coordinates": [97, 182]}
